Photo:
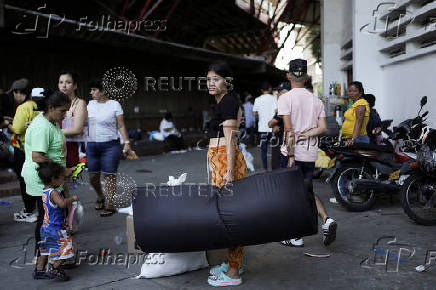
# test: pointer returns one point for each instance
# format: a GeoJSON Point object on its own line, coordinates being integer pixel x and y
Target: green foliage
{"type": "Point", "coordinates": [314, 38]}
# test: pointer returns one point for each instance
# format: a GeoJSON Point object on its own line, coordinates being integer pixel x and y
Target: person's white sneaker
{"type": "Point", "coordinates": [25, 217]}
{"type": "Point", "coordinates": [293, 243]}
{"type": "Point", "coordinates": [333, 200]}
{"type": "Point", "coordinates": [297, 242]}
{"type": "Point", "coordinates": [23, 210]}
{"type": "Point", "coordinates": [329, 231]}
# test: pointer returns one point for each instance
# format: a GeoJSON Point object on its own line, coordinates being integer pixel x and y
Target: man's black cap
{"type": "Point", "coordinates": [298, 67]}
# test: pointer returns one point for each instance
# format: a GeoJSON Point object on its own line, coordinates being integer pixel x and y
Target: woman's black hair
{"type": "Point", "coordinates": [359, 86]}
{"type": "Point", "coordinates": [54, 99]}
{"type": "Point", "coordinates": [221, 68]}
{"type": "Point", "coordinates": [370, 98]}
{"type": "Point", "coordinates": [47, 171]}
{"type": "Point", "coordinates": [27, 91]}
{"type": "Point", "coordinates": [96, 83]}
{"type": "Point", "coordinates": [73, 75]}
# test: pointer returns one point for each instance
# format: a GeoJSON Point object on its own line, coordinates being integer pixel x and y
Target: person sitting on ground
{"type": "Point", "coordinates": [374, 123]}
{"type": "Point", "coordinates": [171, 134]}
{"type": "Point", "coordinates": [55, 240]}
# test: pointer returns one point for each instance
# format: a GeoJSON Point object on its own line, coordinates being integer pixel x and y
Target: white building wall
{"type": "Point", "coordinates": [404, 85]}
{"type": "Point", "coordinates": [347, 20]}
{"type": "Point", "coordinates": [366, 57]}
{"type": "Point", "coordinates": [333, 31]}
{"type": "Point", "coordinates": [399, 82]}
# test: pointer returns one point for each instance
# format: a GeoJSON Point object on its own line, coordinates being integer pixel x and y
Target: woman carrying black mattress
{"type": "Point", "coordinates": [226, 160]}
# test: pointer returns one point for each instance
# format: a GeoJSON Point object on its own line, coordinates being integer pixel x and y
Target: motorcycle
{"type": "Point", "coordinates": [418, 194]}
{"type": "Point", "coordinates": [362, 171]}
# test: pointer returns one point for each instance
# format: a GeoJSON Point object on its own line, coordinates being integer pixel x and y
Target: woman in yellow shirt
{"type": "Point", "coordinates": [356, 117]}
{"type": "Point", "coordinates": [26, 111]}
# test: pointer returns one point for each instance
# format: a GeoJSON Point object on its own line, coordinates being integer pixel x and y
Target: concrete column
{"type": "Point", "coordinates": [366, 55]}
{"type": "Point", "coordinates": [334, 31]}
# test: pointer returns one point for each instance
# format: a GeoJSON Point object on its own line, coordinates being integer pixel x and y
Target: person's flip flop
{"type": "Point", "coordinates": [99, 204]}
{"type": "Point", "coordinates": [107, 212]}
{"type": "Point", "coordinates": [317, 255]}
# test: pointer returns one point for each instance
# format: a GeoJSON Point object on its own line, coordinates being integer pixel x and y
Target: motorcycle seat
{"type": "Point", "coordinates": [372, 147]}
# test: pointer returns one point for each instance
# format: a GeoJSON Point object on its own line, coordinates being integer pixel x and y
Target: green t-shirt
{"type": "Point", "coordinates": [42, 136]}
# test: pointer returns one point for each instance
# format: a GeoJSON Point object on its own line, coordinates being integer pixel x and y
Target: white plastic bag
{"type": "Point", "coordinates": [247, 156]}
{"type": "Point", "coordinates": [173, 182]}
{"type": "Point", "coordinates": [172, 264]}
{"type": "Point", "coordinates": [126, 210]}
{"type": "Point", "coordinates": [76, 216]}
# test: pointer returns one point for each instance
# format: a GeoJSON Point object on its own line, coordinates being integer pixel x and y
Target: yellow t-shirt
{"type": "Point", "coordinates": [25, 113]}
{"type": "Point", "coordinates": [350, 119]}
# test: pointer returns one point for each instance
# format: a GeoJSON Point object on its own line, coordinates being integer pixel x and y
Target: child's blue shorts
{"type": "Point", "coordinates": [56, 243]}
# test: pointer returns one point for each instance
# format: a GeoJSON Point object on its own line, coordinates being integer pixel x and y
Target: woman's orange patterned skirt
{"type": "Point", "coordinates": [218, 161]}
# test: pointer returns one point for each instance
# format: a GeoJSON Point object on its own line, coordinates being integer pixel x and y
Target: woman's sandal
{"type": "Point", "coordinates": [108, 212]}
{"type": "Point", "coordinates": [99, 204]}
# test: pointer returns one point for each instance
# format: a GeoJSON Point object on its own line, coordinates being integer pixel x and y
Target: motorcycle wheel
{"type": "Point", "coordinates": [356, 201]}
{"type": "Point", "coordinates": [418, 198]}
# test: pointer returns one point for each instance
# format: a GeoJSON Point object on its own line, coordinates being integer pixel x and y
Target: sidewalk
{"type": "Point", "coordinates": [269, 266]}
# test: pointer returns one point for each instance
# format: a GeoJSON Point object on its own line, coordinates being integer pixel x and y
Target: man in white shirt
{"type": "Point", "coordinates": [264, 108]}
{"type": "Point", "coordinates": [171, 134]}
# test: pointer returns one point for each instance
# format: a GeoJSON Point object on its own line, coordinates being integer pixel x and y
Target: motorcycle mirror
{"type": "Point", "coordinates": [423, 101]}
{"type": "Point", "coordinates": [424, 115]}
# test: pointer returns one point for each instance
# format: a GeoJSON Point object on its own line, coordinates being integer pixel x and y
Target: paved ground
{"type": "Point", "coordinates": [269, 266]}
